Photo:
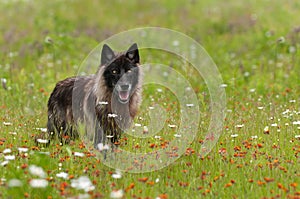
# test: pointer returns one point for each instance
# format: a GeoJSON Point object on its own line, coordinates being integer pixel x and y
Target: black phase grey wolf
{"type": "Point", "coordinates": [104, 103]}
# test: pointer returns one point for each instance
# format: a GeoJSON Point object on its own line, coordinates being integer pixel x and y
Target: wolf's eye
{"type": "Point", "coordinates": [114, 71]}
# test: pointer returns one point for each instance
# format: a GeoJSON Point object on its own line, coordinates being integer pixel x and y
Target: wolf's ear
{"type": "Point", "coordinates": [133, 53]}
{"type": "Point", "coordinates": [107, 54]}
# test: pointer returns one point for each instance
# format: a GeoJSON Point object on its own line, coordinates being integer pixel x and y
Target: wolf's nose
{"type": "Point", "coordinates": [125, 87]}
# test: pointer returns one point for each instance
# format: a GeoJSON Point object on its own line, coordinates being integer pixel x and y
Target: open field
{"type": "Point", "coordinates": [254, 45]}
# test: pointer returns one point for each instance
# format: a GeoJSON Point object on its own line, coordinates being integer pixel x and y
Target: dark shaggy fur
{"type": "Point", "coordinates": [105, 103]}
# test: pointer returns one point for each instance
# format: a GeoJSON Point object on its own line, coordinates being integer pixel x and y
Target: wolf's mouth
{"type": "Point", "coordinates": [124, 96]}
{"type": "Point", "coordinates": [123, 92]}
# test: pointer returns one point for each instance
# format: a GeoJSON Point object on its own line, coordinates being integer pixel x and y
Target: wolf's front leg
{"type": "Point", "coordinates": [99, 139]}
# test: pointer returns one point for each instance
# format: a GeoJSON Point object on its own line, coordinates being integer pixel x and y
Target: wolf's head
{"type": "Point", "coordinates": [121, 72]}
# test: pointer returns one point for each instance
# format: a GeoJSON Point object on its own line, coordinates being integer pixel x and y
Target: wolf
{"type": "Point", "coordinates": [105, 103]}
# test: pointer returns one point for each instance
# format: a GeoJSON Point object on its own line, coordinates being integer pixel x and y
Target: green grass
{"type": "Point", "coordinates": [42, 42]}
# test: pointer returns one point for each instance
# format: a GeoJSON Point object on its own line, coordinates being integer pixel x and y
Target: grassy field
{"type": "Point", "coordinates": [254, 45]}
